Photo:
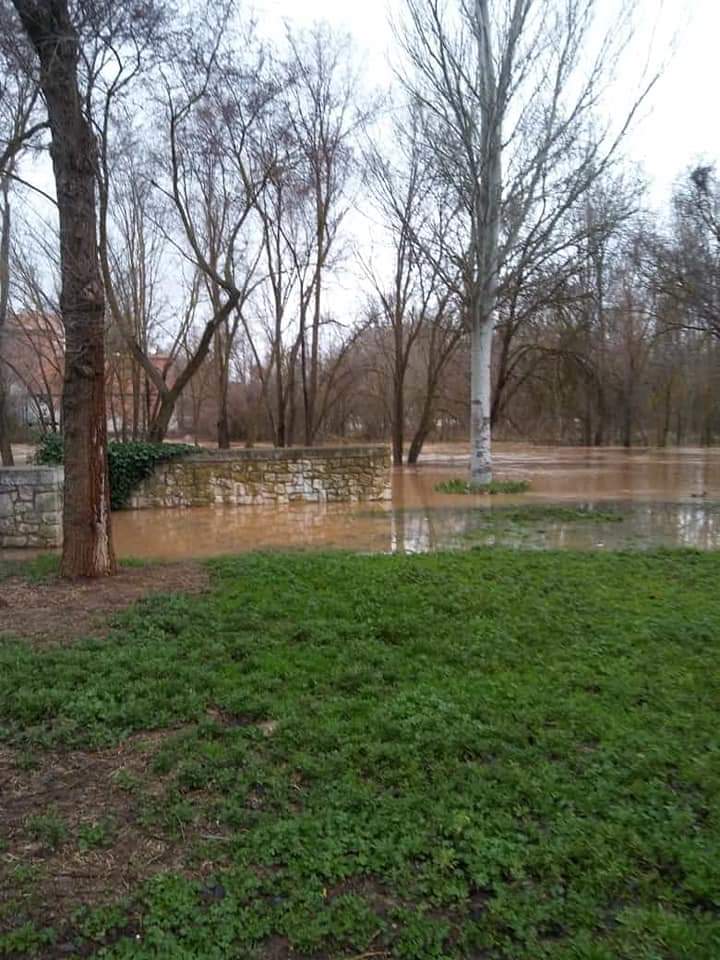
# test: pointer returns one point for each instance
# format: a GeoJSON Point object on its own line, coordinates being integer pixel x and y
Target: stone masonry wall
{"type": "Point", "coordinates": [245, 477]}
{"type": "Point", "coordinates": [31, 506]}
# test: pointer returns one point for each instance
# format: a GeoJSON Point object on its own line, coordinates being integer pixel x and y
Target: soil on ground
{"type": "Point", "coordinates": [60, 611]}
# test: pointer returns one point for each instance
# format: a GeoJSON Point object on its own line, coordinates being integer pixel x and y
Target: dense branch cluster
{"type": "Point", "coordinates": [287, 255]}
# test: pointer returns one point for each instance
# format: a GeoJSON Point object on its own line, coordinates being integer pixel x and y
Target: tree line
{"type": "Point", "coordinates": [246, 232]}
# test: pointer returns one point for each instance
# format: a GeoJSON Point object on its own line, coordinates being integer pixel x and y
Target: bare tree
{"type": "Point", "coordinates": [509, 88]}
{"type": "Point", "coordinates": [414, 298]}
{"type": "Point", "coordinates": [20, 125]}
{"type": "Point", "coordinates": [35, 341]}
{"type": "Point", "coordinates": [214, 173]}
{"type": "Point", "coordinates": [323, 114]}
{"type": "Point", "coordinates": [686, 261]}
{"type": "Point", "coordinates": [400, 196]}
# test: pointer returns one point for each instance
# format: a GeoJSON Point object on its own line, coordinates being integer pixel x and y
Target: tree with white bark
{"type": "Point", "coordinates": [509, 90]}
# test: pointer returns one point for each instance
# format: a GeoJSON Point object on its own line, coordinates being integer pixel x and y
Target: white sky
{"type": "Point", "coordinates": [678, 125]}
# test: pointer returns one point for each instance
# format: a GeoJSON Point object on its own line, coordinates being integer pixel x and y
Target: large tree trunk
{"type": "Point", "coordinates": [481, 404]}
{"type": "Point", "coordinates": [87, 546]}
{"type": "Point", "coordinates": [485, 244]}
{"type": "Point", "coordinates": [6, 454]}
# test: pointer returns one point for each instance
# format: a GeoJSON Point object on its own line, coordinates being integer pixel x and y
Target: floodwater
{"type": "Point", "coordinates": [662, 497]}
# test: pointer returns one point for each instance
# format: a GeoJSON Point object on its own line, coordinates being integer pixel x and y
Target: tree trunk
{"type": "Point", "coordinates": [667, 414]}
{"type": "Point", "coordinates": [481, 404]}
{"type": "Point", "coordinates": [160, 423]}
{"type": "Point", "coordinates": [304, 379]}
{"type": "Point", "coordinates": [628, 420]}
{"type": "Point", "coordinates": [87, 546]}
{"type": "Point", "coordinates": [679, 429]}
{"type": "Point", "coordinates": [136, 374]}
{"type": "Point", "coordinates": [223, 423]}
{"type": "Point", "coordinates": [421, 434]}
{"type": "Point", "coordinates": [223, 373]}
{"type": "Point", "coordinates": [398, 418]}
{"type": "Point", "coordinates": [314, 352]}
{"type": "Point", "coordinates": [503, 375]}
{"type": "Point", "coordinates": [6, 454]}
{"type": "Point", "coordinates": [599, 438]}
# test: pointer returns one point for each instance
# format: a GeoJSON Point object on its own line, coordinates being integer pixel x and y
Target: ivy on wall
{"type": "Point", "coordinates": [129, 463]}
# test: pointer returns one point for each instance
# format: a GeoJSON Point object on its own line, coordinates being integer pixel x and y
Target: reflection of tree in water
{"type": "Point", "coordinates": [643, 526]}
{"type": "Point", "coordinates": [418, 527]}
{"type": "Point", "coordinates": [689, 525]}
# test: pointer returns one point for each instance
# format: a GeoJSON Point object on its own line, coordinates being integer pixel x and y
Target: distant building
{"type": "Point", "coordinates": [34, 363]}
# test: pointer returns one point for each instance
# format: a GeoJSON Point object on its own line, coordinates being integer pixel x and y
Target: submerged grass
{"type": "Point", "coordinates": [550, 513]}
{"type": "Point", "coordinates": [519, 520]}
{"type": "Point", "coordinates": [457, 485]}
{"type": "Point", "coordinates": [498, 755]}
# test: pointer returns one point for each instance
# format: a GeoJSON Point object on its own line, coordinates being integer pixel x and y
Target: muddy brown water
{"type": "Point", "coordinates": [666, 498]}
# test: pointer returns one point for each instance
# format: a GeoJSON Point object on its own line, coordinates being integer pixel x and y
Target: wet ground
{"type": "Point", "coordinates": [645, 498]}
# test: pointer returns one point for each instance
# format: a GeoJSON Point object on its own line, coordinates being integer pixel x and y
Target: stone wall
{"type": "Point", "coordinates": [245, 477]}
{"type": "Point", "coordinates": [31, 506]}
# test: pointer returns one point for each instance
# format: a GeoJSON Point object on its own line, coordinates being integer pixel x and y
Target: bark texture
{"type": "Point", "coordinates": [87, 547]}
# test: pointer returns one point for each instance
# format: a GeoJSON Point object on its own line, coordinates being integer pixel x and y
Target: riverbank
{"type": "Point", "coordinates": [494, 754]}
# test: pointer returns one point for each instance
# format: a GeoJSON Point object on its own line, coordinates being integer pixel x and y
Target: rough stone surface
{"type": "Point", "coordinates": [31, 506]}
{"type": "Point", "coordinates": [31, 497]}
{"type": "Point", "coordinates": [252, 477]}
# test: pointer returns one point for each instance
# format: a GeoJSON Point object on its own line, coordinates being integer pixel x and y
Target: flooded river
{"type": "Point", "coordinates": [641, 498]}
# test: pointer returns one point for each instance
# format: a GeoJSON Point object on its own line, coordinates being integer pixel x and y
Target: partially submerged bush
{"type": "Point", "coordinates": [456, 485]}
{"type": "Point", "coordinates": [129, 463]}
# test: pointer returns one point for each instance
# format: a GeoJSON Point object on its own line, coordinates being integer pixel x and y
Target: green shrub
{"type": "Point", "coordinates": [98, 834]}
{"type": "Point", "coordinates": [456, 485]}
{"type": "Point", "coordinates": [49, 449]}
{"type": "Point", "coordinates": [48, 828]}
{"type": "Point", "coordinates": [129, 463]}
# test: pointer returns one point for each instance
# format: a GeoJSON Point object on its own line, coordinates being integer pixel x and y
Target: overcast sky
{"type": "Point", "coordinates": [679, 124]}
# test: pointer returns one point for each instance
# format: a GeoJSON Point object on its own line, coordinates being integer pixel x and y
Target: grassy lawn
{"type": "Point", "coordinates": [490, 754]}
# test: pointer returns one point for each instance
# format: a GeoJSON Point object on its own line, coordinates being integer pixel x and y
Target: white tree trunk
{"type": "Point", "coordinates": [480, 401]}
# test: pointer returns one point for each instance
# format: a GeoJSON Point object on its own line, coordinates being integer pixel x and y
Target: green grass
{"type": "Point", "coordinates": [549, 513]}
{"type": "Point", "coordinates": [47, 828]}
{"type": "Point", "coordinates": [43, 566]}
{"type": "Point", "coordinates": [497, 755]}
{"type": "Point", "coordinates": [456, 485]}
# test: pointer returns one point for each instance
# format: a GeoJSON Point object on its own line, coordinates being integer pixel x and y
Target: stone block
{"type": "Point", "coordinates": [13, 541]}
{"type": "Point", "coordinates": [269, 477]}
{"type": "Point", "coordinates": [46, 502]}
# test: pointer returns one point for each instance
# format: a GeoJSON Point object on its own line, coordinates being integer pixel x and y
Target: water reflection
{"type": "Point", "coordinates": [667, 498]}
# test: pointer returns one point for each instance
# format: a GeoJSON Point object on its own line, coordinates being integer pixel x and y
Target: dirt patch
{"type": "Point", "coordinates": [72, 833]}
{"type": "Point", "coordinates": [60, 611]}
